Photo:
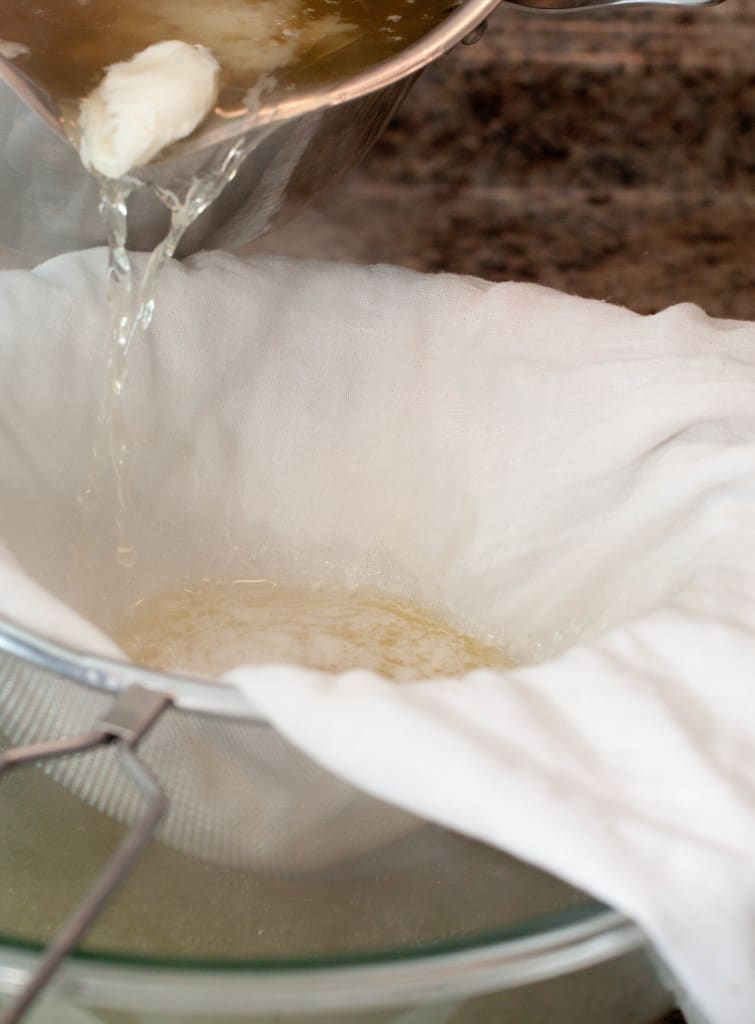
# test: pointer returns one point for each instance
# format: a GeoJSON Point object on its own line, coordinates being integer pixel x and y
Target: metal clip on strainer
{"type": "Point", "coordinates": [28, 663]}
{"type": "Point", "coordinates": [218, 781]}
{"type": "Point", "coordinates": [130, 717]}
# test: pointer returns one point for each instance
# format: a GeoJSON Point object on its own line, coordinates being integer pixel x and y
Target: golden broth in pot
{"type": "Point", "coordinates": [300, 43]}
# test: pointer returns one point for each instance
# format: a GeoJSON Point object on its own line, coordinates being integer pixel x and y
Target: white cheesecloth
{"type": "Point", "coordinates": [573, 477]}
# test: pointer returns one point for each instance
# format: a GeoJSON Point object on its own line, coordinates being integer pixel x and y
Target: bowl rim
{"type": "Point", "coordinates": [558, 944]}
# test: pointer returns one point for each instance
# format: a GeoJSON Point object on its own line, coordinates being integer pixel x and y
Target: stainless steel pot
{"type": "Point", "coordinates": [49, 203]}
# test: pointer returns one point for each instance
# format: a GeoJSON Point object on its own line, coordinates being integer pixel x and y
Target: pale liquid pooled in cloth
{"type": "Point", "coordinates": [213, 627]}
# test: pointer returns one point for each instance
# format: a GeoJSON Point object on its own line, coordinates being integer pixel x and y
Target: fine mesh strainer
{"type": "Point", "coordinates": [210, 778]}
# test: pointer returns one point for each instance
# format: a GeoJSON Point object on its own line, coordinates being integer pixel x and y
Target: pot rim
{"type": "Point", "coordinates": [464, 20]}
{"type": "Point", "coordinates": [467, 17]}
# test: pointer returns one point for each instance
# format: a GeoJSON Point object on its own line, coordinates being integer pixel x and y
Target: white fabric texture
{"type": "Point", "coordinates": [575, 477]}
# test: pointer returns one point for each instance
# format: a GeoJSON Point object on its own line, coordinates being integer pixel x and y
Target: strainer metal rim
{"type": "Point", "coordinates": [217, 699]}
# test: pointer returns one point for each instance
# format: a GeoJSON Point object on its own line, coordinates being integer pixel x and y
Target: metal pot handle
{"type": "Point", "coordinates": [568, 6]}
{"type": "Point", "coordinates": [572, 6]}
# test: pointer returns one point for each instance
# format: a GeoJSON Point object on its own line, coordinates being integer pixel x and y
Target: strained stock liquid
{"type": "Point", "coordinates": [212, 627]}
{"type": "Point", "coordinates": [303, 43]}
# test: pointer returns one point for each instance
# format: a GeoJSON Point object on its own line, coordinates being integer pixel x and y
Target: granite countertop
{"type": "Point", "coordinates": [610, 155]}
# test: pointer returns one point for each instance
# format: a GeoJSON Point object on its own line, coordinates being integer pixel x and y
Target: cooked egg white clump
{"type": "Point", "coordinates": [143, 105]}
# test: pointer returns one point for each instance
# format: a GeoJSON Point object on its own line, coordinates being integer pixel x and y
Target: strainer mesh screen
{"type": "Point", "coordinates": [238, 794]}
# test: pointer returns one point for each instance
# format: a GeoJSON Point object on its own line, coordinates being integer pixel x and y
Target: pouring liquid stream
{"type": "Point", "coordinates": [131, 304]}
{"type": "Point", "coordinates": [67, 49]}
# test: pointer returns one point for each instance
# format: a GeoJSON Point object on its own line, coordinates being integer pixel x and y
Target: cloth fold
{"type": "Point", "coordinates": [566, 474]}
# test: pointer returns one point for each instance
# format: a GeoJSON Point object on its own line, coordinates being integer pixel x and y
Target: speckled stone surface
{"type": "Point", "coordinates": [612, 156]}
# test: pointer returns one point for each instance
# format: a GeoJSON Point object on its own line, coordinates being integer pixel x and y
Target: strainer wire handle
{"type": "Point", "coordinates": [128, 720]}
